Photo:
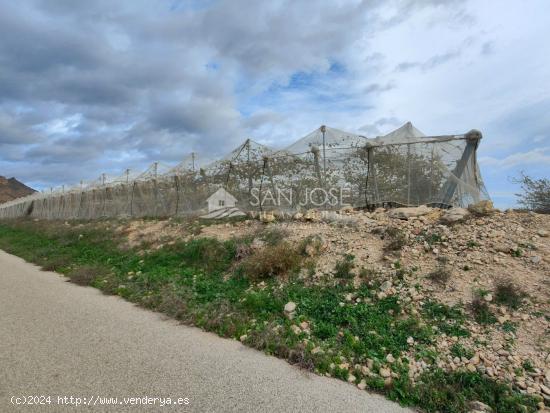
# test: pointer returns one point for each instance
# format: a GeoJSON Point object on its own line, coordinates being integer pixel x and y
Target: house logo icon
{"type": "Point", "coordinates": [221, 204]}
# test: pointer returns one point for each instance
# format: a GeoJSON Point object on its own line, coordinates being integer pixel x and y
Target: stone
{"type": "Point", "coordinates": [488, 297]}
{"type": "Point", "coordinates": [267, 217]}
{"type": "Point", "coordinates": [454, 215]}
{"type": "Point", "coordinates": [384, 372]}
{"type": "Point", "coordinates": [351, 378]}
{"type": "Point", "coordinates": [545, 389]}
{"type": "Point", "coordinates": [390, 358]}
{"type": "Point", "coordinates": [311, 215]}
{"type": "Point", "coordinates": [298, 216]}
{"type": "Point", "coordinates": [542, 233]}
{"type": "Point", "coordinates": [481, 208]}
{"type": "Point", "coordinates": [295, 329]}
{"type": "Point", "coordinates": [386, 285]}
{"type": "Point", "coordinates": [410, 341]}
{"type": "Point", "coordinates": [410, 212]}
{"type": "Point", "coordinates": [290, 307]}
{"type": "Point", "coordinates": [243, 337]}
{"type": "Point", "coordinates": [362, 385]}
{"type": "Point", "coordinates": [535, 259]}
{"type": "Point", "coordinates": [479, 406]}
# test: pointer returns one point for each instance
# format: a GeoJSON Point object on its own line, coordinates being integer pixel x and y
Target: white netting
{"type": "Point", "coordinates": [326, 169]}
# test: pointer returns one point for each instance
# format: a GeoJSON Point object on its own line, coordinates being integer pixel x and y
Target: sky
{"type": "Point", "coordinates": [95, 87]}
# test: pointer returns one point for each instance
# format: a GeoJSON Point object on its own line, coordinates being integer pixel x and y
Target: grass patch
{"type": "Point", "coordinates": [458, 350]}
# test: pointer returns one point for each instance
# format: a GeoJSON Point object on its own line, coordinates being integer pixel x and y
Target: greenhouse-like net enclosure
{"type": "Point", "coordinates": [327, 169]}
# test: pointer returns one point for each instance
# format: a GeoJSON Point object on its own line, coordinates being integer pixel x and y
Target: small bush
{"type": "Point", "coordinates": [343, 268]}
{"type": "Point", "coordinates": [441, 275]}
{"type": "Point", "coordinates": [481, 311]}
{"type": "Point", "coordinates": [273, 235]}
{"type": "Point", "coordinates": [397, 239]}
{"type": "Point", "coordinates": [458, 350]}
{"type": "Point", "coordinates": [271, 261]}
{"type": "Point", "coordinates": [536, 194]}
{"type": "Point", "coordinates": [508, 294]}
{"type": "Point", "coordinates": [311, 245]}
{"type": "Point", "coordinates": [208, 253]}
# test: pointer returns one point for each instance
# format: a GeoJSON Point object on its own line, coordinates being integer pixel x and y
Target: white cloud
{"type": "Point", "coordinates": [536, 156]}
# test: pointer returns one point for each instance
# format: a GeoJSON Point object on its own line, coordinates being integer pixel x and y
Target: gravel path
{"type": "Point", "coordinates": [59, 339]}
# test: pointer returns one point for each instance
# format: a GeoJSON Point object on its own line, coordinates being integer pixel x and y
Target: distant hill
{"type": "Point", "coordinates": [12, 189]}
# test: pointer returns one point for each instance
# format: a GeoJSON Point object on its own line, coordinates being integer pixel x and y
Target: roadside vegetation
{"type": "Point", "coordinates": [253, 289]}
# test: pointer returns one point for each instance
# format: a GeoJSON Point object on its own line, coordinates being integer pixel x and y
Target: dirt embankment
{"type": "Point", "coordinates": [494, 264]}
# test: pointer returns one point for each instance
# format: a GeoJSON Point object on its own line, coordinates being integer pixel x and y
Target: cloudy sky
{"type": "Point", "coordinates": [98, 86]}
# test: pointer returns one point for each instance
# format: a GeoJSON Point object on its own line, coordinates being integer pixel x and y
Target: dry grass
{"type": "Point", "coordinates": [509, 294]}
{"type": "Point", "coordinates": [85, 275]}
{"type": "Point", "coordinates": [271, 261]}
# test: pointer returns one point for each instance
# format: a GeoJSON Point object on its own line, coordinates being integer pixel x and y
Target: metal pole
{"type": "Point", "coordinates": [408, 175]}
{"type": "Point", "coordinates": [193, 160]}
{"type": "Point", "coordinates": [323, 130]}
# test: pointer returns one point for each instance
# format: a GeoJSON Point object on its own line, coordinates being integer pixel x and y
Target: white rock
{"type": "Point", "coordinates": [390, 358]}
{"type": "Point", "coordinates": [454, 215]}
{"type": "Point", "coordinates": [385, 285]}
{"type": "Point", "coordinates": [384, 372]}
{"type": "Point", "coordinates": [290, 307]}
{"type": "Point", "coordinates": [406, 213]}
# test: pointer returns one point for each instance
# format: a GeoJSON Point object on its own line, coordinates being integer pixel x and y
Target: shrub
{"type": "Point", "coordinates": [508, 294]}
{"type": "Point", "coordinates": [271, 261]}
{"type": "Point", "coordinates": [481, 311]}
{"type": "Point", "coordinates": [208, 253]}
{"type": "Point", "coordinates": [343, 267]}
{"type": "Point", "coordinates": [441, 275]}
{"type": "Point", "coordinates": [458, 350]}
{"type": "Point", "coordinates": [311, 245]}
{"type": "Point", "coordinates": [273, 235]}
{"type": "Point", "coordinates": [535, 195]}
{"type": "Point", "coordinates": [397, 239]}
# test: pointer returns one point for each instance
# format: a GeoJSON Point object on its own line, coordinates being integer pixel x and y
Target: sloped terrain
{"type": "Point", "coordinates": [11, 189]}
{"type": "Point", "coordinates": [446, 310]}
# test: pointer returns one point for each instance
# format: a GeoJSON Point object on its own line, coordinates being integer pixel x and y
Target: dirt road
{"type": "Point", "coordinates": [61, 340]}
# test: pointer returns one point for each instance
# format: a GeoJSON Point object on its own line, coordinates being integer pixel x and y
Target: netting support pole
{"type": "Point", "coordinates": [315, 152]}
{"type": "Point", "coordinates": [132, 199]}
{"type": "Point", "coordinates": [262, 183]}
{"type": "Point", "coordinates": [249, 168]}
{"type": "Point", "coordinates": [369, 155]}
{"type": "Point", "coordinates": [408, 175]}
{"type": "Point", "coordinates": [176, 184]}
{"type": "Point", "coordinates": [323, 130]}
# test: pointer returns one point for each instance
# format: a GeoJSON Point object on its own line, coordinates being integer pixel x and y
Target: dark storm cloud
{"type": "Point", "coordinates": [86, 86]}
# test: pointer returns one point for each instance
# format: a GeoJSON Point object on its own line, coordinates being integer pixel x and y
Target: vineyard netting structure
{"type": "Point", "coordinates": [327, 169]}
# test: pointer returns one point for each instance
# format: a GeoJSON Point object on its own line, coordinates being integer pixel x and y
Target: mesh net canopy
{"type": "Point", "coordinates": [326, 169]}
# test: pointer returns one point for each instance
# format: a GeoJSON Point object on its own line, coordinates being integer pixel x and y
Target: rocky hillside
{"type": "Point", "coordinates": [493, 265]}
{"type": "Point", "coordinates": [11, 189]}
